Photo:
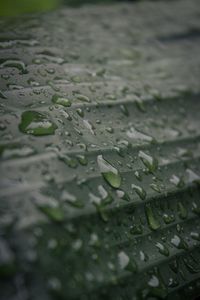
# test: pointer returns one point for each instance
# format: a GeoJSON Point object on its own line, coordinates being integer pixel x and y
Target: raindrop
{"type": "Point", "coordinates": [61, 101]}
{"type": "Point", "coordinates": [150, 163]}
{"type": "Point", "coordinates": [162, 249]}
{"type": "Point", "coordinates": [139, 190]}
{"type": "Point", "coordinates": [37, 124]}
{"type": "Point", "coordinates": [152, 220]}
{"type": "Point", "coordinates": [110, 174]}
{"type": "Point", "coordinates": [134, 134]}
{"type": "Point", "coordinates": [179, 243]}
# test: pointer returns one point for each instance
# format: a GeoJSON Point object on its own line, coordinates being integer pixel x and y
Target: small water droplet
{"type": "Point", "coordinates": [177, 181]}
{"type": "Point", "coordinates": [82, 98]}
{"type": "Point", "coordinates": [89, 126]}
{"type": "Point", "coordinates": [82, 159]}
{"type": "Point", "coordinates": [168, 218]}
{"type": "Point", "coordinates": [123, 195]}
{"type": "Point", "coordinates": [182, 211]}
{"type": "Point", "coordinates": [54, 213]}
{"type": "Point", "coordinates": [151, 218]}
{"type": "Point", "coordinates": [162, 249]}
{"type": "Point", "coordinates": [80, 112]}
{"type": "Point", "coordinates": [124, 110]}
{"type": "Point", "coordinates": [134, 134]}
{"type": "Point", "coordinates": [71, 199]}
{"type": "Point", "coordinates": [179, 243]}
{"type": "Point", "coordinates": [139, 190]}
{"type": "Point", "coordinates": [150, 163]}
{"type": "Point", "coordinates": [70, 161]}
{"type": "Point", "coordinates": [195, 236]}
{"type": "Point", "coordinates": [61, 101]}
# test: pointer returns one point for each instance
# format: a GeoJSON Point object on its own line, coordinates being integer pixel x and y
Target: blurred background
{"type": "Point", "coordinates": [16, 7]}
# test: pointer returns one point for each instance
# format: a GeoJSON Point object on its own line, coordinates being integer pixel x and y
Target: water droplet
{"type": "Point", "coordinates": [55, 213]}
{"type": "Point", "coordinates": [157, 289]}
{"type": "Point", "coordinates": [134, 134]}
{"type": "Point", "coordinates": [37, 124]}
{"type": "Point", "coordinates": [14, 151]}
{"type": "Point", "coordinates": [109, 129]}
{"type": "Point", "coordinates": [110, 174]}
{"type": "Point", "coordinates": [174, 265]}
{"type": "Point", "coordinates": [70, 161]}
{"type": "Point", "coordinates": [154, 281]}
{"type": "Point", "coordinates": [190, 267]}
{"type": "Point", "coordinates": [54, 285]}
{"type": "Point", "coordinates": [14, 63]}
{"type": "Point", "coordinates": [140, 104]}
{"type": "Point", "coordinates": [123, 195]}
{"type": "Point", "coordinates": [195, 208]}
{"type": "Point", "coordinates": [139, 190]}
{"type": "Point", "coordinates": [136, 229]}
{"type": "Point", "coordinates": [179, 243]}
{"type": "Point", "coordinates": [82, 98]}
{"type": "Point", "coordinates": [101, 202]}
{"type": "Point", "coordinates": [124, 110]}
{"type": "Point", "coordinates": [143, 256]}
{"type": "Point", "coordinates": [192, 176]}
{"type": "Point", "coordinates": [125, 263]}
{"type": "Point", "coordinates": [82, 159]}
{"type": "Point", "coordinates": [195, 236]}
{"type": "Point", "coordinates": [182, 211]}
{"type": "Point", "coordinates": [80, 112]}
{"type": "Point", "coordinates": [168, 218]}
{"type": "Point", "coordinates": [155, 187]}
{"type": "Point", "coordinates": [71, 199]}
{"type": "Point", "coordinates": [61, 101]}
{"type": "Point", "coordinates": [105, 196]}
{"type": "Point", "coordinates": [94, 240]}
{"type": "Point", "coordinates": [177, 181]}
{"type": "Point", "coordinates": [138, 175]}
{"type": "Point", "coordinates": [150, 163]}
{"type": "Point", "coordinates": [152, 221]}
{"type": "Point", "coordinates": [162, 249]}
{"type": "Point", "coordinates": [89, 126]}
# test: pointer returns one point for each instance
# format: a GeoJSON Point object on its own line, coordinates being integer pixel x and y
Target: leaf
{"type": "Point", "coordinates": [99, 152]}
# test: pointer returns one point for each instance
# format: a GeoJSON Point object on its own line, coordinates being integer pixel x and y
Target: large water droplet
{"type": "Point", "coordinates": [110, 174]}
{"type": "Point", "coordinates": [14, 63]}
{"type": "Point", "coordinates": [37, 124]}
